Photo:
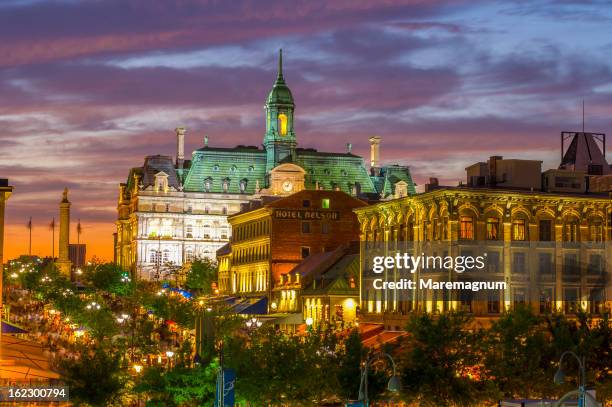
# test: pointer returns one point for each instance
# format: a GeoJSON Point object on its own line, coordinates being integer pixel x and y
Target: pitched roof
{"type": "Point", "coordinates": [582, 152]}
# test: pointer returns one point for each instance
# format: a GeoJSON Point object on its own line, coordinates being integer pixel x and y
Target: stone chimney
{"type": "Point", "coordinates": [375, 151]}
{"type": "Point", "coordinates": [180, 146]}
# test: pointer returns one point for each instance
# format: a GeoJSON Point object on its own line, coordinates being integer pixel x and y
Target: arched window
{"type": "Point", "coordinates": [189, 255]}
{"type": "Point", "coordinates": [570, 230]}
{"type": "Point", "coordinates": [165, 256]}
{"type": "Point", "coordinates": [466, 230]}
{"type": "Point", "coordinates": [207, 184]}
{"type": "Point", "coordinates": [519, 229]}
{"type": "Point", "coordinates": [243, 186]}
{"type": "Point", "coordinates": [282, 124]}
{"type": "Point", "coordinates": [226, 184]}
{"type": "Point", "coordinates": [596, 230]}
{"type": "Point", "coordinates": [154, 257]}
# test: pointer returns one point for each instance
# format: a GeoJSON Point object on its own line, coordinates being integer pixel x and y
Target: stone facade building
{"type": "Point", "coordinates": [553, 250]}
{"type": "Point", "coordinates": [172, 210]}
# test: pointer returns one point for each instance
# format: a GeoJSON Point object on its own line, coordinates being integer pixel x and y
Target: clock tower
{"type": "Point", "coordinates": [279, 140]}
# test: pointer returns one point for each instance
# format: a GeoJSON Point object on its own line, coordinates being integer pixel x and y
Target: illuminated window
{"type": "Point", "coordinates": [466, 231]}
{"type": "Point", "coordinates": [492, 228]}
{"type": "Point", "coordinates": [519, 231]}
{"type": "Point", "coordinates": [325, 203]}
{"type": "Point", "coordinates": [282, 124]}
{"type": "Point", "coordinates": [596, 232]}
{"type": "Point", "coordinates": [570, 231]}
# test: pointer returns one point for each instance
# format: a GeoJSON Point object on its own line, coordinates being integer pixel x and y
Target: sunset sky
{"type": "Point", "coordinates": [88, 88]}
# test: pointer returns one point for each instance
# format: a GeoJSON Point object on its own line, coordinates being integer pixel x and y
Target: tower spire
{"type": "Point", "coordinates": [280, 65]}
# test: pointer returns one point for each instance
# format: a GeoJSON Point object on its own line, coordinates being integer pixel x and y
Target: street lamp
{"type": "Point", "coordinates": [394, 384]}
{"type": "Point", "coordinates": [93, 305]}
{"type": "Point", "coordinates": [560, 376]}
{"type": "Point", "coordinates": [253, 323]}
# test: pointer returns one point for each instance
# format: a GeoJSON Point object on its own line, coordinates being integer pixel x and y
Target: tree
{"type": "Point", "coordinates": [180, 386]}
{"type": "Point", "coordinates": [201, 276]}
{"type": "Point", "coordinates": [518, 356]}
{"type": "Point", "coordinates": [95, 378]}
{"type": "Point", "coordinates": [104, 276]}
{"type": "Point", "coordinates": [277, 368]}
{"type": "Point", "coordinates": [438, 359]}
{"type": "Point", "coordinates": [349, 368]}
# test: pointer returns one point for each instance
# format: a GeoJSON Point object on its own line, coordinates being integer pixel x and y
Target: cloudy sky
{"type": "Point", "coordinates": [88, 88]}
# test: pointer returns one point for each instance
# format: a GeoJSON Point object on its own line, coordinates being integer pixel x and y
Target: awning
{"type": "Point", "coordinates": [12, 329]}
{"type": "Point", "coordinates": [252, 306]}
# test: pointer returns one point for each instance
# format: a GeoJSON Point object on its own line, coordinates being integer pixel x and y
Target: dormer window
{"type": "Point", "coordinates": [226, 184]}
{"type": "Point", "coordinates": [234, 168]}
{"type": "Point", "coordinates": [243, 185]}
{"type": "Point", "coordinates": [161, 182]}
{"type": "Point", "coordinates": [401, 189]}
{"type": "Point", "coordinates": [282, 124]}
{"type": "Point", "coordinates": [216, 168]}
{"type": "Point", "coordinates": [207, 184]}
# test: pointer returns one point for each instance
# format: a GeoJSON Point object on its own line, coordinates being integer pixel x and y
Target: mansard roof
{"type": "Point", "coordinates": [219, 164]}
{"type": "Point", "coordinates": [154, 164]}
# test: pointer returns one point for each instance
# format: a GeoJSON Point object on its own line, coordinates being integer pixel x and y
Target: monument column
{"type": "Point", "coordinates": [63, 263]}
{"type": "Point", "coordinates": [5, 192]}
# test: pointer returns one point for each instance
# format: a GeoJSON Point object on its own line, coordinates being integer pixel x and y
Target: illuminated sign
{"type": "Point", "coordinates": [306, 214]}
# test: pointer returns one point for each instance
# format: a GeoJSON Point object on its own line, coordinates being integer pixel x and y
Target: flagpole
{"type": "Point", "coordinates": [53, 239]}
{"type": "Point", "coordinates": [30, 227]}
{"type": "Point", "coordinates": [78, 248]}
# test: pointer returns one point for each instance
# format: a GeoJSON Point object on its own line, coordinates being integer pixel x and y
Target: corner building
{"type": "Point", "coordinates": [270, 242]}
{"type": "Point", "coordinates": [173, 210]}
{"type": "Point", "coordinates": [553, 250]}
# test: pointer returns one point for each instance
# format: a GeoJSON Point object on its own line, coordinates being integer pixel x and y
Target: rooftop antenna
{"type": "Point", "coordinates": [583, 115]}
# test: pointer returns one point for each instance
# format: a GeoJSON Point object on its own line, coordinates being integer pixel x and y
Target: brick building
{"type": "Point", "coordinates": [276, 236]}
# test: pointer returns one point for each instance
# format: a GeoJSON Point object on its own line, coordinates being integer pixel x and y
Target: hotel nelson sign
{"type": "Point", "coordinates": [306, 214]}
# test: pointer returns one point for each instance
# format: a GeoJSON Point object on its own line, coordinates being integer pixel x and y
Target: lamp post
{"type": "Point", "coordinates": [138, 369]}
{"type": "Point", "coordinates": [253, 323]}
{"type": "Point", "coordinates": [394, 384]}
{"type": "Point", "coordinates": [560, 376]}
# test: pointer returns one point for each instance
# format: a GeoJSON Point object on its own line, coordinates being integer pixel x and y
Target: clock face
{"type": "Point", "coordinates": [287, 186]}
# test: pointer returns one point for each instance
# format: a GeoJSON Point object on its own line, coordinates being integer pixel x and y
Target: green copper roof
{"type": "Point", "coordinates": [226, 165]}
{"type": "Point", "coordinates": [331, 170]}
{"type": "Point", "coordinates": [280, 93]}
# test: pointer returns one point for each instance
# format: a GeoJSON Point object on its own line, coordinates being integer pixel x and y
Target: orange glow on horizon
{"type": "Point", "coordinates": [97, 236]}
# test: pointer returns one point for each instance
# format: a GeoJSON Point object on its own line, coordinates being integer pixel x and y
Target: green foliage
{"type": "Point", "coordinates": [435, 366]}
{"type": "Point", "coordinates": [180, 386]}
{"type": "Point", "coordinates": [275, 368]}
{"type": "Point", "coordinates": [517, 353]}
{"type": "Point", "coordinates": [349, 368]}
{"type": "Point", "coordinates": [107, 277]}
{"type": "Point", "coordinates": [202, 274]}
{"type": "Point", "coordinates": [95, 378]}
